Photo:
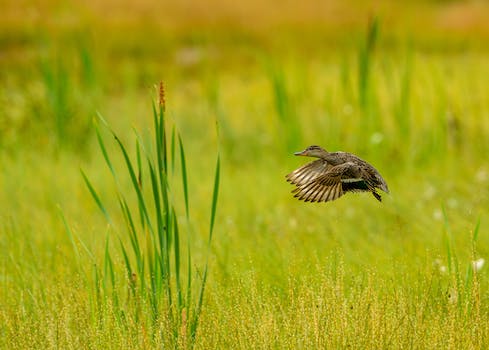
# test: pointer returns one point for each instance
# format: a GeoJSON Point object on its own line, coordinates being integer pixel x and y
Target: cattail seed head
{"type": "Point", "coordinates": [161, 96]}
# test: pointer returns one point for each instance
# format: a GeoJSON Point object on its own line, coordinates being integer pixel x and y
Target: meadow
{"type": "Point", "coordinates": [136, 218]}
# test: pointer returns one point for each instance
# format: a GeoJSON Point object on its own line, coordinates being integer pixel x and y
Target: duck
{"type": "Point", "coordinates": [334, 174]}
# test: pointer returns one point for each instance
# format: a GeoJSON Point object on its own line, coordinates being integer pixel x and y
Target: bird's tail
{"type": "Point", "coordinates": [377, 196]}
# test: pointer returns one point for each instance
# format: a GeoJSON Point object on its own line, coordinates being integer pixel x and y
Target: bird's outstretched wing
{"type": "Point", "coordinates": [329, 186]}
{"type": "Point", "coordinates": [308, 172]}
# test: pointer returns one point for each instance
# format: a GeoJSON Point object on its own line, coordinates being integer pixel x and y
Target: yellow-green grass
{"type": "Point", "coordinates": [353, 273]}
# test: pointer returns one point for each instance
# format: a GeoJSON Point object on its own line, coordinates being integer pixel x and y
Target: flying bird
{"type": "Point", "coordinates": [332, 175]}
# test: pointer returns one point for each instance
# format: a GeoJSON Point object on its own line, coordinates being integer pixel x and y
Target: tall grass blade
{"type": "Point", "coordinates": [184, 176]}
{"type": "Point", "coordinates": [108, 265]}
{"type": "Point", "coordinates": [128, 267]}
{"type": "Point", "coordinates": [141, 203]}
{"type": "Point", "coordinates": [172, 149]}
{"type": "Point", "coordinates": [290, 130]}
{"type": "Point", "coordinates": [88, 72]}
{"type": "Point", "coordinates": [471, 269]}
{"type": "Point", "coordinates": [96, 198]}
{"type": "Point", "coordinates": [103, 149]}
{"type": "Point", "coordinates": [160, 139]}
{"type": "Point", "coordinates": [403, 109]}
{"type": "Point", "coordinates": [188, 296]}
{"type": "Point", "coordinates": [138, 159]}
{"type": "Point", "coordinates": [70, 236]}
{"type": "Point", "coordinates": [132, 231]}
{"type": "Point", "coordinates": [195, 322]}
{"type": "Point", "coordinates": [215, 195]}
{"type": "Point", "coordinates": [364, 61]}
{"type": "Point", "coordinates": [176, 249]}
{"type": "Point", "coordinates": [163, 258]}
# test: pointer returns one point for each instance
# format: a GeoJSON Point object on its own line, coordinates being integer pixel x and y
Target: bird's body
{"type": "Point", "coordinates": [332, 175]}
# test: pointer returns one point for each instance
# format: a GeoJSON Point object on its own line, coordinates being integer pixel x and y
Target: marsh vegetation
{"type": "Point", "coordinates": [181, 231]}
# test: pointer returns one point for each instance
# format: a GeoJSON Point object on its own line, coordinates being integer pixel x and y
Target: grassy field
{"type": "Point", "coordinates": [227, 258]}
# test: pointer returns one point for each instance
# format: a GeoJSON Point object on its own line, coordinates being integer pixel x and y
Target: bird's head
{"type": "Point", "coordinates": [312, 151]}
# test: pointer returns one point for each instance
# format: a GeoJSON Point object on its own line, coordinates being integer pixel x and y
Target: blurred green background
{"type": "Point", "coordinates": [401, 84]}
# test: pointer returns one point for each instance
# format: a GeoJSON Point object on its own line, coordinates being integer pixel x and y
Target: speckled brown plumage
{"type": "Point", "coordinates": [332, 175]}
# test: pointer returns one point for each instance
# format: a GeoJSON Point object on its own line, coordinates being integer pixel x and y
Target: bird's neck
{"type": "Point", "coordinates": [329, 157]}
{"type": "Point", "coordinates": [325, 155]}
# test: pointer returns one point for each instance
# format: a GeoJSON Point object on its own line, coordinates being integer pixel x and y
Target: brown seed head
{"type": "Point", "coordinates": [161, 99]}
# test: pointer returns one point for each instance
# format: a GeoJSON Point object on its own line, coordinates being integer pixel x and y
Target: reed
{"type": "Point", "coordinates": [155, 256]}
{"type": "Point", "coordinates": [289, 127]}
{"type": "Point", "coordinates": [365, 61]}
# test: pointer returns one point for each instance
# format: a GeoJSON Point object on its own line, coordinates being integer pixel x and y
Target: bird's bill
{"type": "Point", "coordinates": [301, 153]}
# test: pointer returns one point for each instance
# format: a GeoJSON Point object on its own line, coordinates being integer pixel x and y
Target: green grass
{"type": "Point", "coordinates": [88, 261]}
{"type": "Point", "coordinates": [154, 263]}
